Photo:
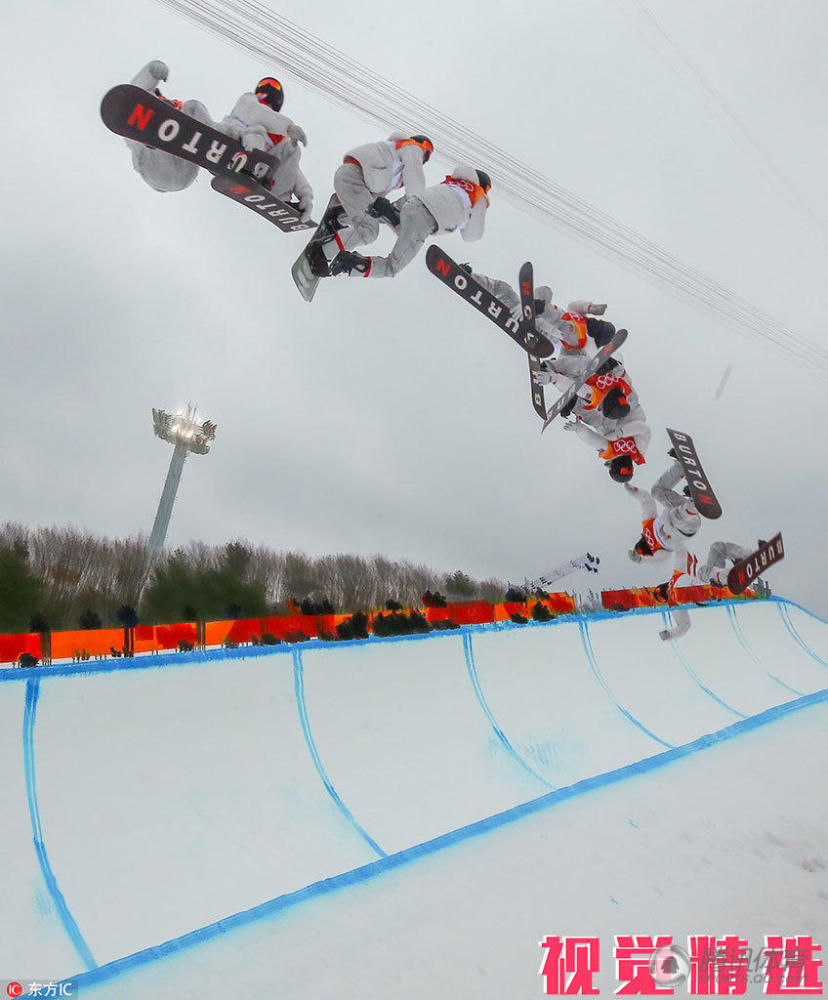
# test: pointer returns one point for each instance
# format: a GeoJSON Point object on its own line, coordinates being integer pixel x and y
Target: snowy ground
{"type": "Point", "coordinates": [167, 799]}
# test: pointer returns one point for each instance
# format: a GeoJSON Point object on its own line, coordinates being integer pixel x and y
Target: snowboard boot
{"type": "Point", "coordinates": [348, 262]}
{"type": "Point", "coordinates": [570, 406]}
{"type": "Point", "coordinates": [381, 208]}
{"type": "Point", "coordinates": [317, 261]}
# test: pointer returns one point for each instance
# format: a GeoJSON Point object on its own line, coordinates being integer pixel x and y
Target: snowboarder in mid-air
{"type": "Point", "coordinates": [715, 570]}
{"type": "Point", "coordinates": [163, 171]}
{"type": "Point", "coordinates": [569, 329]}
{"type": "Point", "coordinates": [368, 174]}
{"type": "Point", "coordinates": [459, 202]}
{"type": "Point", "coordinates": [665, 533]}
{"type": "Point", "coordinates": [257, 123]}
{"type": "Point", "coordinates": [610, 418]}
{"type": "Point", "coordinates": [587, 561]}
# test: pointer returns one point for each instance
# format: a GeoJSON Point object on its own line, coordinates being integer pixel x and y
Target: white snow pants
{"type": "Point", "coordinates": [163, 171]}
{"type": "Point", "coordinates": [416, 225]}
{"type": "Point", "coordinates": [713, 570]}
{"type": "Point", "coordinates": [355, 197]}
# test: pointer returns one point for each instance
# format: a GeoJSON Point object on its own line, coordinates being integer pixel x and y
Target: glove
{"type": "Point", "coordinates": [597, 309]}
{"type": "Point", "coordinates": [305, 206]}
{"type": "Point", "coordinates": [297, 134]}
{"type": "Point", "coordinates": [160, 70]}
{"type": "Point", "coordinates": [635, 556]}
{"type": "Point", "coordinates": [542, 377]}
{"type": "Point", "coordinates": [664, 634]}
{"type": "Point", "coordinates": [570, 425]}
{"type": "Point", "coordinates": [382, 208]}
{"type": "Point", "coordinates": [465, 267]}
{"type": "Point", "coordinates": [632, 490]}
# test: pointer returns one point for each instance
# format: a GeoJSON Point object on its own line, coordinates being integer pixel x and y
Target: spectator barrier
{"type": "Point", "coordinates": [93, 643]}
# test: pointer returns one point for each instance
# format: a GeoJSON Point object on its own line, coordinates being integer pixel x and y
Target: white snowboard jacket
{"type": "Point", "coordinates": [458, 203]}
{"type": "Point", "coordinates": [390, 164]}
{"type": "Point", "coordinates": [250, 116]}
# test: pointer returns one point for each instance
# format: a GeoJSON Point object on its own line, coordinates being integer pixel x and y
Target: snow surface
{"type": "Point", "coordinates": [167, 798]}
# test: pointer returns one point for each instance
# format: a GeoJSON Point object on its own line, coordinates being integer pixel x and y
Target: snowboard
{"type": "Point", "coordinates": [143, 117]}
{"type": "Point", "coordinates": [747, 570]}
{"type": "Point", "coordinates": [303, 275]}
{"type": "Point", "coordinates": [699, 488]}
{"type": "Point", "coordinates": [597, 361]}
{"type": "Point", "coordinates": [526, 285]}
{"type": "Point", "coordinates": [451, 274]}
{"type": "Point", "coordinates": [253, 195]}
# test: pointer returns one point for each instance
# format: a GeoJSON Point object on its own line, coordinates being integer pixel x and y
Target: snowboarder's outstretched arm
{"type": "Point", "coordinates": [584, 307]}
{"type": "Point", "coordinates": [413, 175]}
{"type": "Point", "coordinates": [151, 75]}
{"type": "Point", "coordinates": [663, 489]}
{"type": "Point", "coordinates": [257, 126]}
{"type": "Point", "coordinates": [473, 229]}
{"type": "Point", "coordinates": [649, 508]}
{"type": "Point", "coordinates": [681, 617]}
{"type": "Point", "coordinates": [588, 435]}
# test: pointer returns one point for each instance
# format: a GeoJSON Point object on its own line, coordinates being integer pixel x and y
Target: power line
{"type": "Point", "coordinates": [249, 25]}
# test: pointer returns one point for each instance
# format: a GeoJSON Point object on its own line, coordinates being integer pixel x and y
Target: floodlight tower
{"type": "Point", "coordinates": [187, 435]}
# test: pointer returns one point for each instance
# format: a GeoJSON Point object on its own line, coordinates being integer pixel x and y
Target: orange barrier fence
{"type": "Point", "coordinates": [291, 628]}
{"type": "Point", "coordinates": [11, 646]}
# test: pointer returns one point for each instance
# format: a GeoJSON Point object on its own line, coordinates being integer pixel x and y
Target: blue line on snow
{"type": "Point", "coordinates": [299, 686]}
{"type": "Point", "coordinates": [785, 615]}
{"type": "Point", "coordinates": [586, 642]}
{"type": "Point", "coordinates": [736, 625]}
{"type": "Point", "coordinates": [392, 861]}
{"type": "Point", "coordinates": [481, 698]}
{"type": "Point", "coordinates": [668, 621]}
{"type": "Point", "coordinates": [68, 921]}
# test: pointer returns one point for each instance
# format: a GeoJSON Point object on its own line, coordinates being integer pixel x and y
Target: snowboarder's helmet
{"type": "Point", "coordinates": [685, 519]}
{"type": "Point", "coordinates": [269, 91]}
{"type": "Point", "coordinates": [620, 468]}
{"type": "Point", "coordinates": [643, 547]}
{"type": "Point", "coordinates": [426, 143]}
{"type": "Point", "coordinates": [484, 180]}
{"type": "Point", "coordinates": [601, 330]}
{"type": "Point", "coordinates": [615, 404]}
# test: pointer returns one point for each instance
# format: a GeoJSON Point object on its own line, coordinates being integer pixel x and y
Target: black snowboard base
{"type": "Point", "coordinates": [697, 483]}
{"type": "Point", "coordinates": [747, 570]}
{"type": "Point", "coordinates": [252, 195]}
{"type": "Point", "coordinates": [464, 285]}
{"type": "Point", "coordinates": [146, 118]}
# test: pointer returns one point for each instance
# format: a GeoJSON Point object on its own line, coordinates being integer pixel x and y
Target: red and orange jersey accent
{"type": "Point", "coordinates": [170, 100]}
{"type": "Point", "coordinates": [650, 537]}
{"type": "Point", "coordinates": [602, 384]}
{"type": "Point", "coordinates": [624, 446]}
{"type": "Point", "coordinates": [474, 191]}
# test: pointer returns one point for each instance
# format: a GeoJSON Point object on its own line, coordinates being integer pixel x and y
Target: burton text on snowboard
{"type": "Point", "coordinates": [451, 274]}
{"type": "Point", "coordinates": [249, 192]}
{"type": "Point", "coordinates": [143, 117]}
{"type": "Point", "coordinates": [747, 570]}
{"type": "Point", "coordinates": [700, 492]}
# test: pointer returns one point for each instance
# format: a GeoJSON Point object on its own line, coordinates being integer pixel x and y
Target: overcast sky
{"type": "Point", "coordinates": [388, 416]}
